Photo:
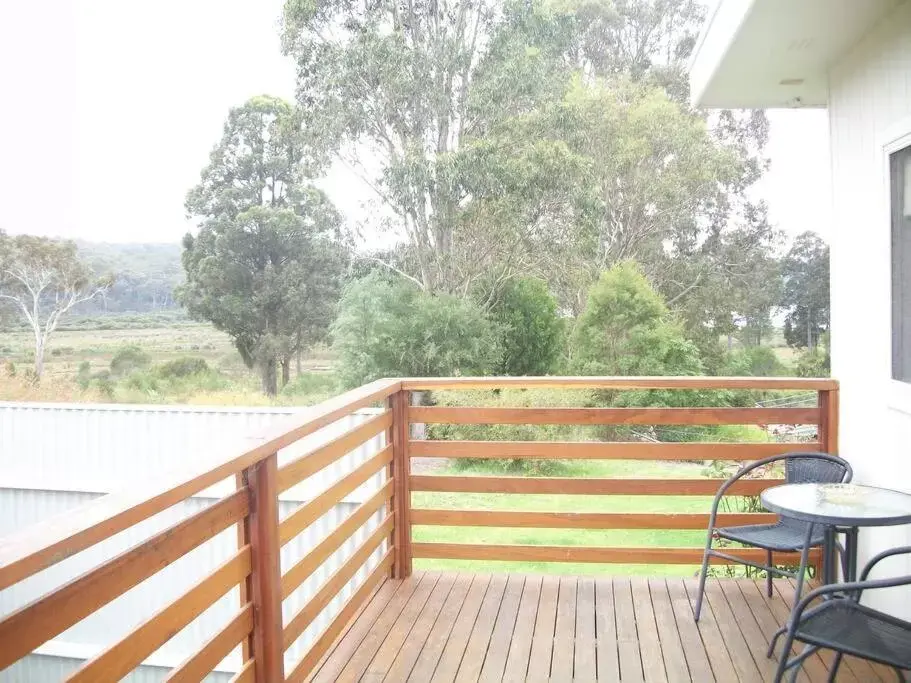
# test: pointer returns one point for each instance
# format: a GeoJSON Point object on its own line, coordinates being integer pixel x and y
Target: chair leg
{"type": "Point", "coordinates": [835, 664]}
{"type": "Point", "coordinates": [783, 660]}
{"type": "Point", "coordinates": [768, 574]}
{"type": "Point", "coordinates": [771, 650]}
{"type": "Point", "coordinates": [804, 560]}
{"type": "Point", "coordinates": [703, 573]}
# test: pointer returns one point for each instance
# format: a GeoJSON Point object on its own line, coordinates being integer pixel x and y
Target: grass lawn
{"type": "Point", "coordinates": [569, 503]}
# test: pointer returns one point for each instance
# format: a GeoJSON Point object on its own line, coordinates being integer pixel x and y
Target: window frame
{"type": "Point", "coordinates": [897, 138]}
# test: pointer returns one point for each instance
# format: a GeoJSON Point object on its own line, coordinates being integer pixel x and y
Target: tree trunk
{"type": "Point", "coordinates": [39, 359]}
{"type": "Point", "coordinates": [286, 371]}
{"type": "Point", "coordinates": [299, 354]}
{"type": "Point", "coordinates": [810, 344]}
{"type": "Point", "coordinates": [268, 376]}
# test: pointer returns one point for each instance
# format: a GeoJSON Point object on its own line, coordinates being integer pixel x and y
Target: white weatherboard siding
{"type": "Point", "coordinates": [56, 457]}
{"type": "Point", "coordinates": [869, 102]}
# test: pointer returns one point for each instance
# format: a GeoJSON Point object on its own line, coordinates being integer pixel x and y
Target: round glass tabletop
{"type": "Point", "coordinates": [839, 504]}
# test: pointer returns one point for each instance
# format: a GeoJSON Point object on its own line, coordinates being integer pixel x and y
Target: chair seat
{"type": "Point", "coordinates": [854, 629]}
{"type": "Point", "coordinates": [781, 536]}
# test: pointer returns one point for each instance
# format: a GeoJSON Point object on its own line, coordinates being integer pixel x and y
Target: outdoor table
{"type": "Point", "coordinates": [840, 508]}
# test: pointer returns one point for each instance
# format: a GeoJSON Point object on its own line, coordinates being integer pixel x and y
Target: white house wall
{"type": "Point", "coordinates": [62, 456]}
{"type": "Point", "coordinates": [870, 94]}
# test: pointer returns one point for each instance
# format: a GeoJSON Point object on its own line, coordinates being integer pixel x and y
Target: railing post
{"type": "Point", "coordinates": [828, 438]}
{"type": "Point", "coordinates": [265, 579]}
{"type": "Point", "coordinates": [401, 472]}
{"type": "Point", "coordinates": [828, 421]}
{"type": "Point", "coordinates": [246, 586]}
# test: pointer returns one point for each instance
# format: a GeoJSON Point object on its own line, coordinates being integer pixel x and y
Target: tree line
{"type": "Point", "coordinates": [504, 141]}
{"type": "Point", "coordinates": [518, 150]}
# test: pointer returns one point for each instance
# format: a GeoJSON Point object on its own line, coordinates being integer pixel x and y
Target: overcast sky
{"type": "Point", "coordinates": [109, 109]}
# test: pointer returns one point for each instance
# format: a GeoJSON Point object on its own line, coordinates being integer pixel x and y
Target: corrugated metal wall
{"type": "Point", "coordinates": [55, 457]}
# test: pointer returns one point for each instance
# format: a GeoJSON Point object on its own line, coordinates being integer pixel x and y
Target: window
{"type": "Point", "coordinates": [900, 192]}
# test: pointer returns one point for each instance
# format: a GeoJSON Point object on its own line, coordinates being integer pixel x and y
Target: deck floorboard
{"type": "Point", "coordinates": [470, 626]}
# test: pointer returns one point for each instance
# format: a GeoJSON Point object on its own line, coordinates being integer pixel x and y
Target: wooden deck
{"type": "Point", "coordinates": [511, 627]}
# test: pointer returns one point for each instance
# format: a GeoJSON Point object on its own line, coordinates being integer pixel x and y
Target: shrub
{"type": "Point", "coordinates": [84, 375]}
{"type": "Point", "coordinates": [626, 329]}
{"type": "Point", "coordinates": [129, 358]}
{"type": "Point", "coordinates": [102, 381]}
{"type": "Point", "coordinates": [395, 329]}
{"type": "Point", "coordinates": [309, 383]}
{"type": "Point", "coordinates": [812, 363]}
{"type": "Point", "coordinates": [512, 398]}
{"type": "Point", "coordinates": [146, 382]}
{"type": "Point", "coordinates": [531, 330]}
{"type": "Point", "coordinates": [182, 367]}
{"type": "Point", "coordinates": [754, 361]}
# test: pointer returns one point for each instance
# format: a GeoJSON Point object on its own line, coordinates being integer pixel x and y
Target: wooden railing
{"type": "Point", "coordinates": [254, 569]}
{"type": "Point", "coordinates": [824, 415]}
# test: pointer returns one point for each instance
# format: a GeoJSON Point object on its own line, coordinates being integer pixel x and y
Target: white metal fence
{"type": "Point", "coordinates": [54, 457]}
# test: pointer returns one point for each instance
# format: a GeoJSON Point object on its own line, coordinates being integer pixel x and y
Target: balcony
{"type": "Point", "coordinates": [348, 605]}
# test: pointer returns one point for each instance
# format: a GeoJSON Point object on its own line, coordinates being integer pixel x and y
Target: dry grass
{"type": "Point", "coordinates": [51, 390]}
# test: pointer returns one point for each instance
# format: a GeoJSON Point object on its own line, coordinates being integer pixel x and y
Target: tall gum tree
{"type": "Point", "coordinates": [41, 280]}
{"type": "Point", "coordinates": [266, 263]}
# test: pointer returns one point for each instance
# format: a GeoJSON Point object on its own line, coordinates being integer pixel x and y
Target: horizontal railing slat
{"type": "Point", "coordinates": [246, 674]}
{"type": "Point", "coordinates": [48, 616]}
{"type": "Point", "coordinates": [582, 520]}
{"type": "Point", "coordinates": [315, 460]}
{"type": "Point", "coordinates": [300, 621]}
{"type": "Point", "coordinates": [44, 544]}
{"type": "Point", "coordinates": [329, 635]}
{"type": "Point", "coordinates": [196, 667]}
{"type": "Point", "coordinates": [613, 416]}
{"type": "Point", "coordinates": [604, 555]}
{"type": "Point", "coordinates": [120, 659]}
{"type": "Point", "coordinates": [310, 562]}
{"type": "Point", "coordinates": [601, 450]}
{"type": "Point", "coordinates": [568, 485]}
{"type": "Point", "coordinates": [620, 383]}
{"type": "Point", "coordinates": [308, 513]}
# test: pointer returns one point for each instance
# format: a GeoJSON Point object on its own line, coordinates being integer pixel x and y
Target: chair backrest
{"type": "Point", "coordinates": [816, 468]}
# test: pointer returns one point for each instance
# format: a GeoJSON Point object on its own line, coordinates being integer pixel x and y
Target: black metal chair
{"type": "Point", "coordinates": [785, 535]}
{"type": "Point", "coordinates": [842, 624]}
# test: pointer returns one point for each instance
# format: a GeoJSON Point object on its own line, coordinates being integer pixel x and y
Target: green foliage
{"type": "Point", "coordinates": [626, 329]}
{"type": "Point", "coordinates": [806, 290]}
{"type": "Point", "coordinates": [394, 329]}
{"type": "Point", "coordinates": [156, 386]}
{"type": "Point", "coordinates": [513, 398]}
{"type": "Point", "coordinates": [312, 383]}
{"type": "Point", "coordinates": [813, 363]}
{"type": "Point", "coordinates": [129, 358]}
{"type": "Point", "coordinates": [498, 155]}
{"type": "Point", "coordinates": [266, 266]}
{"type": "Point", "coordinates": [182, 367]}
{"type": "Point", "coordinates": [754, 361]}
{"type": "Point", "coordinates": [532, 331]}
{"type": "Point", "coordinates": [84, 375]}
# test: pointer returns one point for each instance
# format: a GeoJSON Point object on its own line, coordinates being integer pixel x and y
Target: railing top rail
{"type": "Point", "coordinates": [42, 545]}
{"type": "Point", "coordinates": [620, 383]}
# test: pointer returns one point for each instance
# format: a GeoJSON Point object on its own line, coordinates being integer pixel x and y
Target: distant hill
{"type": "Point", "coordinates": [147, 275]}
